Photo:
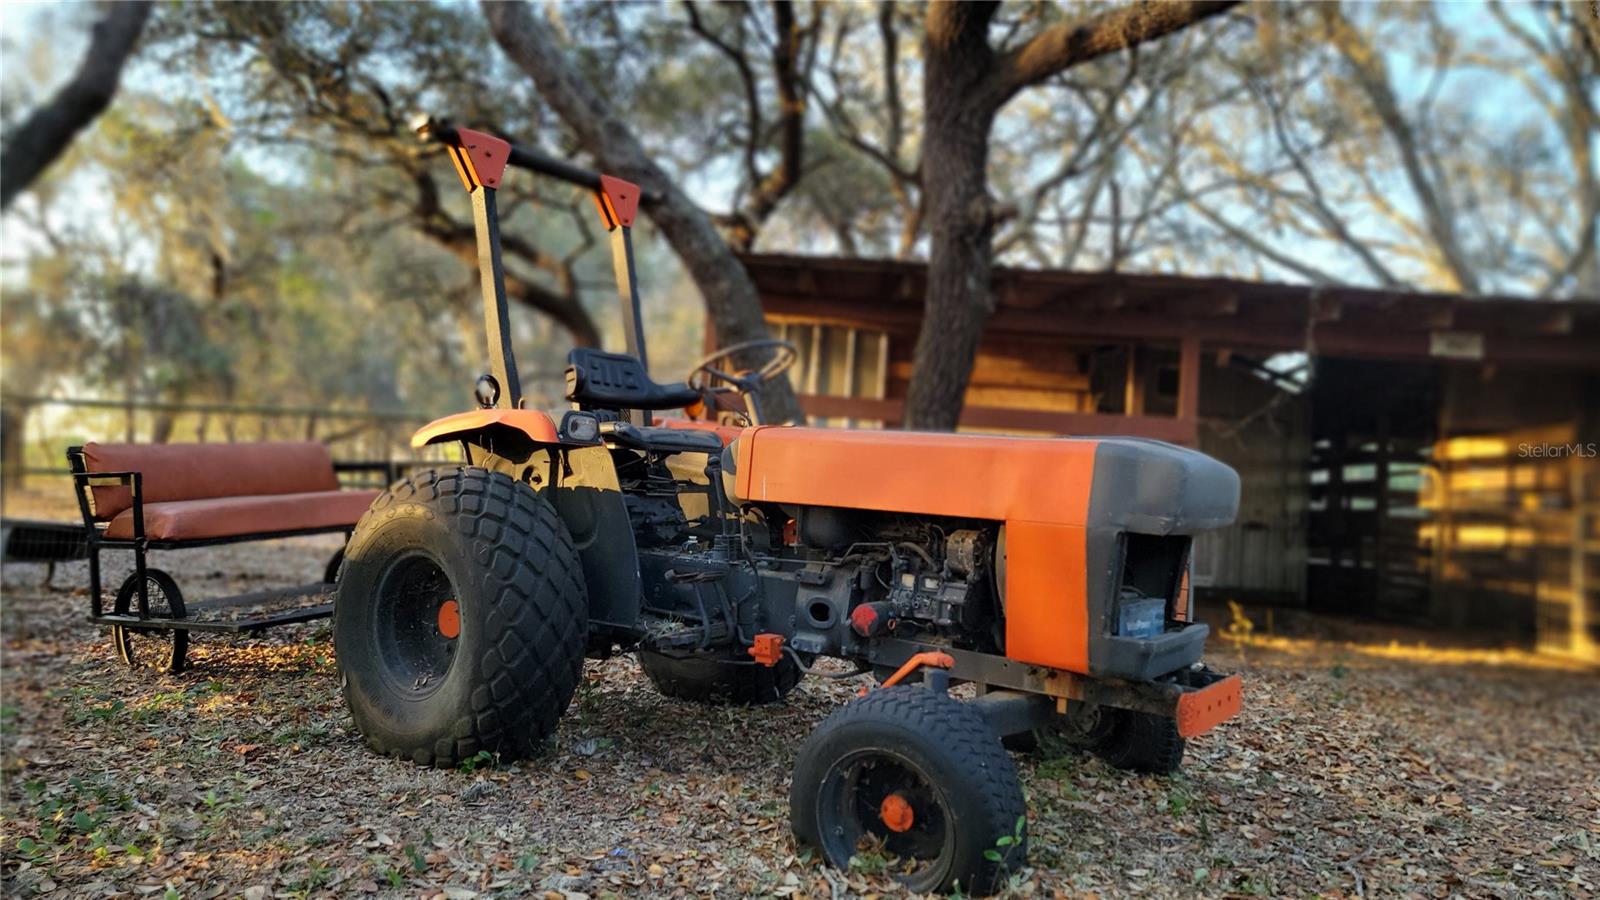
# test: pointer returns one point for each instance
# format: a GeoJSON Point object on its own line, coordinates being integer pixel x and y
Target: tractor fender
{"type": "Point", "coordinates": [511, 433]}
{"type": "Point", "coordinates": [585, 493]}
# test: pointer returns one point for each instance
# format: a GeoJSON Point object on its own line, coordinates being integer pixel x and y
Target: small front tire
{"type": "Point", "coordinates": [1142, 742]}
{"type": "Point", "coordinates": [921, 778]}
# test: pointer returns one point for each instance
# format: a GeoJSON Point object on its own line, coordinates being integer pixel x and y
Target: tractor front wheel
{"type": "Point", "coordinates": [461, 618]}
{"type": "Point", "coordinates": [914, 783]}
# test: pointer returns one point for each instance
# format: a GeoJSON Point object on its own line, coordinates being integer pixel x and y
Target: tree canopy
{"type": "Point", "coordinates": [252, 220]}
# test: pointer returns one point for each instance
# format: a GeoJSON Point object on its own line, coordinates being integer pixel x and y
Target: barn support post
{"type": "Point", "coordinates": [1189, 381]}
{"type": "Point", "coordinates": [1582, 641]}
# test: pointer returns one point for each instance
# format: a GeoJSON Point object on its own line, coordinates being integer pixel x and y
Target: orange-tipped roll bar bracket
{"type": "Point", "coordinates": [480, 158]}
{"type": "Point", "coordinates": [618, 201]}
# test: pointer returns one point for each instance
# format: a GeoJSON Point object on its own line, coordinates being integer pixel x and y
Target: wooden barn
{"type": "Point", "coordinates": [1409, 457]}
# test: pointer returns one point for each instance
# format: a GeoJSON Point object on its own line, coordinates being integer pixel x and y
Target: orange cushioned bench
{"type": "Point", "coordinates": [196, 492]}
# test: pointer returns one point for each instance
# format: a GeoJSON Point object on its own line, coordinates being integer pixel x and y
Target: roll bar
{"type": "Point", "coordinates": [443, 132]}
{"type": "Point", "coordinates": [481, 159]}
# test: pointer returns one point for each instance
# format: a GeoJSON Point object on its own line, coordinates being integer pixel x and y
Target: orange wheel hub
{"type": "Point", "coordinates": [449, 619]}
{"type": "Point", "coordinates": [896, 813]}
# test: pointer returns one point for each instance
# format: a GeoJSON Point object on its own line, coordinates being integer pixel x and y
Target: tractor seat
{"type": "Point", "coordinates": [596, 378]}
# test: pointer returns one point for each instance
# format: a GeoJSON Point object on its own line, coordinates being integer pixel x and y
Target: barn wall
{"type": "Point", "coordinates": [1263, 432]}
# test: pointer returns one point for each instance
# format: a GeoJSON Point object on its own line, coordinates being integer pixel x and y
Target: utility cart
{"type": "Point", "coordinates": [144, 497]}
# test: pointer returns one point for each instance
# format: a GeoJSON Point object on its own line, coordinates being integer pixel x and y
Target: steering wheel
{"type": "Point", "coordinates": [711, 374]}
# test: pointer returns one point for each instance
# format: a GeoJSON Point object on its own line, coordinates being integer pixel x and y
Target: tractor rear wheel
{"type": "Point", "coordinates": [917, 782]}
{"type": "Point", "coordinates": [1141, 742]}
{"type": "Point", "coordinates": [461, 618]}
{"type": "Point", "coordinates": [1124, 738]}
{"type": "Point", "coordinates": [702, 679]}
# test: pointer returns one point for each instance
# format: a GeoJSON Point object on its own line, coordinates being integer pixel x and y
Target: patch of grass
{"type": "Point", "coordinates": [302, 734]}
{"type": "Point", "coordinates": [419, 861]}
{"type": "Point", "coordinates": [1063, 769]}
{"type": "Point", "coordinates": [1178, 801]}
{"type": "Point", "coordinates": [395, 878]}
{"type": "Point", "coordinates": [483, 759]}
{"type": "Point", "coordinates": [870, 862]}
{"type": "Point", "coordinates": [104, 710]}
{"type": "Point", "coordinates": [1253, 885]}
{"type": "Point", "coordinates": [317, 875]}
{"type": "Point", "coordinates": [72, 816]}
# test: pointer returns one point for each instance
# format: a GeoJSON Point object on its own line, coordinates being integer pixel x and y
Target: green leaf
{"type": "Point", "coordinates": [992, 855]}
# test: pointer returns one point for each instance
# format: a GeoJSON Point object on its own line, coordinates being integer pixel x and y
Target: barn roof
{"type": "Point", "coordinates": [1328, 320]}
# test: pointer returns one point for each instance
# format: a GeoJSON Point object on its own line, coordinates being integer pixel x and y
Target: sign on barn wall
{"type": "Point", "coordinates": [1467, 345]}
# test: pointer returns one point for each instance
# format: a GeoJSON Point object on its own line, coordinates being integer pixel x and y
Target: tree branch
{"type": "Point", "coordinates": [38, 140]}
{"type": "Point", "coordinates": [747, 80]}
{"type": "Point", "coordinates": [1069, 44]}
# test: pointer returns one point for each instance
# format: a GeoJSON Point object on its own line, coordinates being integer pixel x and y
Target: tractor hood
{"type": "Point", "coordinates": [1067, 505]}
{"type": "Point", "coordinates": [1131, 484]}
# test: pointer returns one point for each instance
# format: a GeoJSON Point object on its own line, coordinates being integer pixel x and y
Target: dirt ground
{"type": "Point", "coordinates": [1363, 765]}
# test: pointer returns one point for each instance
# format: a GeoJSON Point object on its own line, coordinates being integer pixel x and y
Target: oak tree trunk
{"type": "Point", "coordinates": [955, 157]}
{"type": "Point", "coordinates": [965, 84]}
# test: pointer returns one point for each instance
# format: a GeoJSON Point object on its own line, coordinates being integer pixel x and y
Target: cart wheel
{"type": "Point", "coordinates": [920, 778]}
{"type": "Point", "coordinates": [163, 648]}
{"type": "Point", "coordinates": [330, 575]}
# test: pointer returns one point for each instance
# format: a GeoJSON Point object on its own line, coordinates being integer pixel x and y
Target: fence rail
{"type": "Point", "coordinates": [36, 430]}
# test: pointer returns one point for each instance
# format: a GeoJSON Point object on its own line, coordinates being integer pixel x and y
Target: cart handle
{"type": "Point", "coordinates": [82, 481]}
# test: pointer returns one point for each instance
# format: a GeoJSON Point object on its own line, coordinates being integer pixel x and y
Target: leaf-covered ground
{"type": "Point", "coordinates": [1360, 767]}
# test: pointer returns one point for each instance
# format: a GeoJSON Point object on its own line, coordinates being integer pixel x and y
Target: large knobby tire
{"type": "Point", "coordinates": [461, 618]}
{"type": "Point", "coordinates": [705, 679]}
{"type": "Point", "coordinates": [1142, 742]}
{"type": "Point", "coordinates": [923, 774]}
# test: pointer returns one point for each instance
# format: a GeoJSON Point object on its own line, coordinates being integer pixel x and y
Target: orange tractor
{"type": "Point", "coordinates": [1051, 574]}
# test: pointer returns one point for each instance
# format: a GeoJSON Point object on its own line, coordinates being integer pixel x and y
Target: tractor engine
{"type": "Point", "coordinates": [825, 578]}
{"type": "Point", "coordinates": [878, 575]}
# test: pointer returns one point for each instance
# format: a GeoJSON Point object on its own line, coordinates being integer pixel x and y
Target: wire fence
{"type": "Point", "coordinates": [36, 431]}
